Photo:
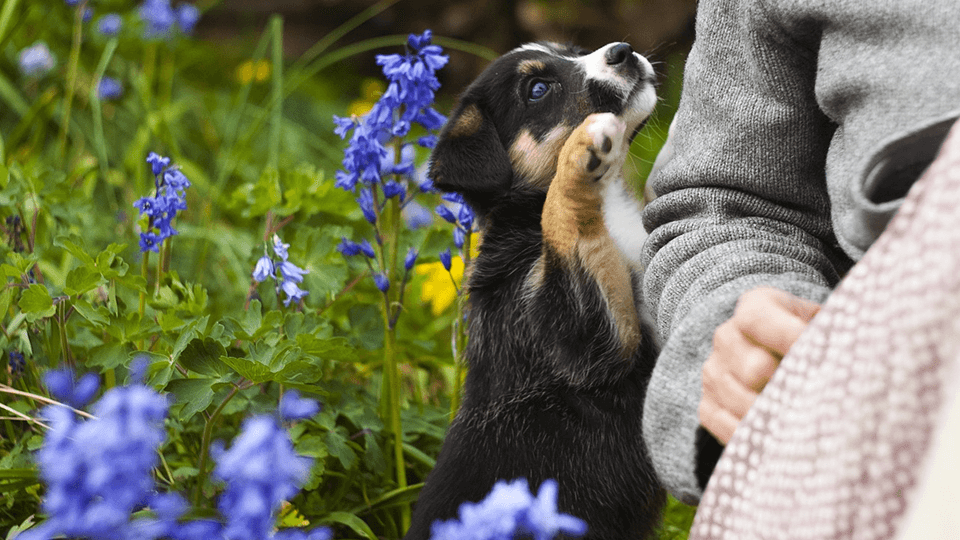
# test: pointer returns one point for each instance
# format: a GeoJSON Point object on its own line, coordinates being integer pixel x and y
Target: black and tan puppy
{"type": "Point", "coordinates": [558, 359]}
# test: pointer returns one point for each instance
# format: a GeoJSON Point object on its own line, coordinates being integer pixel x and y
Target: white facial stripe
{"type": "Point", "coordinates": [538, 47]}
{"type": "Point", "coordinates": [596, 68]}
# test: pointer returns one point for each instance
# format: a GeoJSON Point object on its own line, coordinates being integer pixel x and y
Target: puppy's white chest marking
{"type": "Point", "coordinates": [621, 215]}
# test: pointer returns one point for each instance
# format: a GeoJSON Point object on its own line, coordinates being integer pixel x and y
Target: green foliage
{"type": "Point", "coordinates": [261, 154]}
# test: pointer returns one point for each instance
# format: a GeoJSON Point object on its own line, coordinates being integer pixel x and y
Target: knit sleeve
{"type": "Point", "coordinates": [741, 202]}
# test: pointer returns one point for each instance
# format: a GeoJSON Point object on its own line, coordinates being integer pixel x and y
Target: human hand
{"type": "Point", "coordinates": [747, 349]}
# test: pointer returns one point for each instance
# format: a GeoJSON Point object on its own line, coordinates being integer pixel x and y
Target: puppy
{"type": "Point", "coordinates": [558, 356]}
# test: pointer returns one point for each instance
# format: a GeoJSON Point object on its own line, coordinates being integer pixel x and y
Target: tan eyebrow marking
{"type": "Point", "coordinates": [529, 67]}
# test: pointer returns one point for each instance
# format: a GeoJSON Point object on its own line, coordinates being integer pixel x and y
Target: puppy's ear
{"type": "Point", "coordinates": [469, 157]}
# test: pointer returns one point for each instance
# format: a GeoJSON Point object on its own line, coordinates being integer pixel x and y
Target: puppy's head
{"type": "Point", "coordinates": [509, 125]}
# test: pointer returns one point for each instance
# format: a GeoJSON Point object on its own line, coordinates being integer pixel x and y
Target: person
{"type": "Point", "coordinates": [801, 127]}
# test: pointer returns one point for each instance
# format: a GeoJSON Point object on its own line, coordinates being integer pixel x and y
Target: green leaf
{"type": "Point", "coordinates": [82, 279]}
{"type": "Point", "coordinates": [98, 316]}
{"type": "Point", "coordinates": [356, 524]}
{"type": "Point", "coordinates": [254, 325]}
{"type": "Point", "coordinates": [6, 296]}
{"type": "Point", "coordinates": [195, 395]}
{"type": "Point", "coordinates": [249, 369]}
{"type": "Point", "coordinates": [108, 356]}
{"type": "Point", "coordinates": [338, 447]}
{"type": "Point", "coordinates": [109, 264]}
{"type": "Point", "coordinates": [75, 246]}
{"type": "Point", "coordinates": [36, 302]}
{"type": "Point", "coordinates": [336, 349]}
{"type": "Point", "coordinates": [203, 356]}
{"type": "Point", "coordinates": [392, 498]}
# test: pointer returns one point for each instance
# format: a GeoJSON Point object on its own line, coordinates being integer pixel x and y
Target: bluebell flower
{"type": "Point", "coordinates": [157, 162]}
{"type": "Point", "coordinates": [410, 259]}
{"type": "Point", "coordinates": [169, 198]}
{"type": "Point", "coordinates": [392, 189]}
{"type": "Point", "coordinates": [109, 88]}
{"type": "Point", "coordinates": [175, 179]}
{"type": "Point", "coordinates": [367, 205]}
{"type": "Point", "coordinates": [377, 159]}
{"type": "Point", "coordinates": [446, 214]}
{"type": "Point", "coordinates": [158, 16]}
{"type": "Point", "coordinates": [109, 25]}
{"type": "Point", "coordinates": [293, 292]}
{"type": "Point", "coordinates": [261, 470]}
{"type": "Point", "coordinates": [381, 282]}
{"type": "Point", "coordinates": [36, 60]}
{"type": "Point", "coordinates": [264, 269]}
{"type": "Point", "coordinates": [408, 99]}
{"type": "Point", "coordinates": [187, 17]}
{"type": "Point", "coordinates": [98, 471]}
{"type": "Point", "coordinates": [344, 126]}
{"type": "Point", "coordinates": [286, 274]}
{"type": "Point", "coordinates": [149, 241]}
{"type": "Point", "coordinates": [64, 388]}
{"type": "Point", "coordinates": [292, 272]}
{"type": "Point", "coordinates": [446, 259]}
{"type": "Point", "coordinates": [279, 248]}
{"type": "Point", "coordinates": [459, 213]}
{"type": "Point", "coordinates": [510, 511]}
{"type": "Point", "coordinates": [294, 407]}
{"type": "Point", "coordinates": [348, 248]}
{"type": "Point", "coordinates": [427, 141]}
{"type": "Point", "coordinates": [415, 215]}
{"type": "Point", "coordinates": [16, 363]}
{"type": "Point", "coordinates": [367, 249]}
{"type": "Point", "coordinates": [87, 14]}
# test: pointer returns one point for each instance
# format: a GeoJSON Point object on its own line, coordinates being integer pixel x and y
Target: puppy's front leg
{"type": "Point", "coordinates": [576, 239]}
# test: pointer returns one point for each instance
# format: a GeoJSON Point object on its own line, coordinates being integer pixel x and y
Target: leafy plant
{"type": "Point", "coordinates": [167, 200]}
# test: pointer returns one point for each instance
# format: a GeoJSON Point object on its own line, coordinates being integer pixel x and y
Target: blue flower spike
{"type": "Point", "coordinates": [109, 25]}
{"type": "Point", "coordinates": [410, 260]}
{"type": "Point", "coordinates": [446, 259]}
{"type": "Point", "coordinates": [286, 274]}
{"type": "Point", "coordinates": [294, 407]}
{"type": "Point", "coordinates": [263, 270]}
{"type": "Point", "coordinates": [169, 199]}
{"type": "Point", "coordinates": [36, 60]}
{"type": "Point", "coordinates": [511, 511]}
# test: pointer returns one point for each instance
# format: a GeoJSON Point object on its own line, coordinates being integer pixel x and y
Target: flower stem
{"type": "Point", "coordinates": [276, 90]}
{"type": "Point", "coordinates": [460, 332]}
{"type": "Point", "coordinates": [145, 271]}
{"type": "Point", "coordinates": [205, 446]}
{"type": "Point", "coordinates": [391, 368]}
{"type": "Point", "coordinates": [72, 68]}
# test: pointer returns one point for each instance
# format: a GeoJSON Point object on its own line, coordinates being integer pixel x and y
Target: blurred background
{"type": "Point", "coordinates": [655, 28]}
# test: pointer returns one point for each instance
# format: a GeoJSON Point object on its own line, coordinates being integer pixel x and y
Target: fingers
{"type": "Point", "coordinates": [746, 352]}
{"type": "Point", "coordinates": [720, 422]}
{"type": "Point", "coordinates": [741, 357]}
{"type": "Point", "coordinates": [772, 318]}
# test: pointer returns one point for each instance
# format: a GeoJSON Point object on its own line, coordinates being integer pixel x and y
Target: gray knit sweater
{"type": "Point", "coordinates": [801, 125]}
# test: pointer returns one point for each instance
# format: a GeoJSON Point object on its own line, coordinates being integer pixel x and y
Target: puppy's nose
{"type": "Point", "coordinates": [618, 54]}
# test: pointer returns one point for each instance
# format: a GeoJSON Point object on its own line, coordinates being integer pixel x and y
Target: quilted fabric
{"type": "Point", "coordinates": [834, 446]}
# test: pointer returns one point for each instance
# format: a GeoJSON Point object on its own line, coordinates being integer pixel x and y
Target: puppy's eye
{"type": "Point", "coordinates": [537, 90]}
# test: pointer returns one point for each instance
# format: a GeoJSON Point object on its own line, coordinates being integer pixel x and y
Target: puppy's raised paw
{"type": "Point", "coordinates": [595, 146]}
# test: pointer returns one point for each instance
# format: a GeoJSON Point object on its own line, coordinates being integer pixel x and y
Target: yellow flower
{"type": "Point", "coordinates": [370, 92]}
{"type": "Point", "coordinates": [438, 289]}
{"type": "Point", "coordinates": [258, 71]}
